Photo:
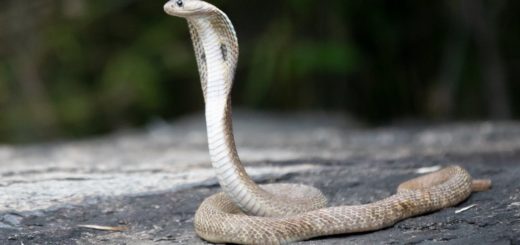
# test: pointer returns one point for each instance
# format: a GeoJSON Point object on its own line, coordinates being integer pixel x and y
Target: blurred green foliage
{"type": "Point", "coordinates": [76, 68]}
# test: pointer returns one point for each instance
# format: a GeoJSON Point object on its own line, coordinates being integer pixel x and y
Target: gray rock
{"type": "Point", "coordinates": [11, 219]}
{"type": "Point", "coordinates": [152, 181]}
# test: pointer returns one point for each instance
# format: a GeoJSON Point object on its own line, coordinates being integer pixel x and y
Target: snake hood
{"type": "Point", "coordinates": [188, 8]}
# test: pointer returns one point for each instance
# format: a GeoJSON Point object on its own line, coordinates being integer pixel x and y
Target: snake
{"type": "Point", "coordinates": [248, 213]}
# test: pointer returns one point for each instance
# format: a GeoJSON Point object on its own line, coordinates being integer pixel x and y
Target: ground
{"type": "Point", "coordinates": [151, 181]}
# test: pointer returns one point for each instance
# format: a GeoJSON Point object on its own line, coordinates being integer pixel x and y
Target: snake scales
{"type": "Point", "coordinates": [281, 213]}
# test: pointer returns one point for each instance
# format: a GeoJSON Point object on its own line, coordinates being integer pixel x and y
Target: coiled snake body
{"type": "Point", "coordinates": [281, 213]}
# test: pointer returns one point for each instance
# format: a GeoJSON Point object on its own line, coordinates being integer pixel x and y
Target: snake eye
{"type": "Point", "coordinates": [179, 3]}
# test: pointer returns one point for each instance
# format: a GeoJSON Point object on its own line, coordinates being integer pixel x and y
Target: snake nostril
{"type": "Point", "coordinates": [179, 3]}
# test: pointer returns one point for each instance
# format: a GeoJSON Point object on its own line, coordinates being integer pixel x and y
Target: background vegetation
{"type": "Point", "coordinates": [71, 68]}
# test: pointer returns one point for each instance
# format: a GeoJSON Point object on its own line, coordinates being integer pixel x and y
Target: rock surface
{"type": "Point", "coordinates": [150, 182]}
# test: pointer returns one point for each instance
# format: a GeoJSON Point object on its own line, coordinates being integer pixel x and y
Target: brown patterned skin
{"type": "Point", "coordinates": [280, 213]}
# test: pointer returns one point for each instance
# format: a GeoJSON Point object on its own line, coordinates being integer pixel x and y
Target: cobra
{"type": "Point", "coordinates": [280, 213]}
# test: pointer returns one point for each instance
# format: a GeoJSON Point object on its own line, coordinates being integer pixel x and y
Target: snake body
{"type": "Point", "coordinates": [280, 213]}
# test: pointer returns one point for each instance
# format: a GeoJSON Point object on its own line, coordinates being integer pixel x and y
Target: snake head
{"type": "Point", "coordinates": [187, 8]}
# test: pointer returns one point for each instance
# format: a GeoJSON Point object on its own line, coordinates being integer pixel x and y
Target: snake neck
{"type": "Point", "coordinates": [216, 50]}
